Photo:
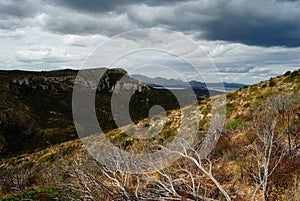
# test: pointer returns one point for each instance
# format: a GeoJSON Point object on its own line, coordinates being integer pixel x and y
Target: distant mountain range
{"type": "Point", "coordinates": [175, 83]}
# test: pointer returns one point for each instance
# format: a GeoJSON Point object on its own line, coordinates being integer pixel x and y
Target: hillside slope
{"type": "Point", "coordinates": [233, 157]}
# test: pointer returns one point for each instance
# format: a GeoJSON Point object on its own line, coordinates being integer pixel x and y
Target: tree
{"type": "Point", "coordinates": [285, 106]}
{"type": "Point", "coordinates": [188, 179]}
{"type": "Point", "coordinates": [195, 160]}
{"type": "Point", "coordinates": [272, 126]}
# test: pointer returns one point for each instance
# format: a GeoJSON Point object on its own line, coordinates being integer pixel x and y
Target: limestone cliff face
{"type": "Point", "coordinates": [128, 85]}
{"type": "Point", "coordinates": [109, 82]}
{"type": "Point", "coordinates": [42, 82]}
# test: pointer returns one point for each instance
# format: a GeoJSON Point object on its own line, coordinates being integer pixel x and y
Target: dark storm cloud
{"type": "Point", "coordinates": [14, 15]}
{"type": "Point", "coordinates": [81, 24]}
{"type": "Point", "coordinates": [96, 17]}
{"type": "Point", "coordinates": [109, 5]}
{"type": "Point", "coordinates": [257, 22]}
{"type": "Point", "coordinates": [279, 28]}
{"type": "Point", "coordinates": [17, 9]}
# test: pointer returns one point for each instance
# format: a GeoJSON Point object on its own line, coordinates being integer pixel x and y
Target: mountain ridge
{"type": "Point", "coordinates": [160, 81]}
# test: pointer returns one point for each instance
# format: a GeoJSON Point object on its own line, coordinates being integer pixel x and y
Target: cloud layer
{"type": "Point", "coordinates": [257, 22]}
{"type": "Point", "coordinates": [251, 38]}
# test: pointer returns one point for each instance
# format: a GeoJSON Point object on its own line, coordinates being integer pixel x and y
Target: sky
{"type": "Point", "coordinates": [247, 41]}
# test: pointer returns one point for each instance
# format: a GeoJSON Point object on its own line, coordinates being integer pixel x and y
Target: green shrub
{"type": "Point", "coordinates": [166, 134]}
{"type": "Point", "coordinates": [126, 144]}
{"type": "Point", "coordinates": [202, 124]}
{"type": "Point", "coordinates": [246, 105]}
{"type": "Point", "coordinates": [252, 89]}
{"type": "Point", "coordinates": [272, 82]}
{"type": "Point", "coordinates": [295, 74]}
{"type": "Point", "coordinates": [298, 86]}
{"type": "Point", "coordinates": [234, 124]}
{"type": "Point", "coordinates": [287, 79]}
{"type": "Point", "coordinates": [256, 104]}
{"type": "Point", "coordinates": [69, 150]}
{"type": "Point", "coordinates": [292, 76]}
{"type": "Point", "coordinates": [259, 97]}
{"type": "Point", "coordinates": [50, 158]}
{"type": "Point", "coordinates": [287, 73]}
{"type": "Point", "coordinates": [28, 165]}
{"type": "Point", "coordinates": [34, 194]}
{"type": "Point", "coordinates": [205, 111]}
{"type": "Point", "coordinates": [121, 136]}
{"type": "Point", "coordinates": [232, 95]}
{"type": "Point", "coordinates": [229, 108]}
{"type": "Point", "coordinates": [268, 92]}
{"type": "Point", "coordinates": [168, 123]}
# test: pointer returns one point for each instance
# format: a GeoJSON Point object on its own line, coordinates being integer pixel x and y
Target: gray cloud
{"type": "Point", "coordinates": [258, 22]}
{"type": "Point", "coordinates": [11, 24]}
{"type": "Point", "coordinates": [263, 23]}
{"type": "Point", "coordinates": [14, 15]}
{"type": "Point", "coordinates": [238, 35]}
{"type": "Point", "coordinates": [76, 23]}
{"type": "Point", "coordinates": [236, 70]}
{"type": "Point", "coordinates": [106, 6]}
{"type": "Point", "coordinates": [16, 9]}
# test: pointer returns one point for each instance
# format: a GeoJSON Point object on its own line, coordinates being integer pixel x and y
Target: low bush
{"type": "Point", "coordinates": [234, 124]}
{"type": "Point", "coordinates": [166, 134]}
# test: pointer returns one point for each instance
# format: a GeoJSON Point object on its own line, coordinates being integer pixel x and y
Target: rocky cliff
{"type": "Point", "coordinates": [62, 83]}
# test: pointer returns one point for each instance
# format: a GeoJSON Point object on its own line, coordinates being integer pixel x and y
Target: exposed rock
{"type": "Point", "coordinates": [109, 82]}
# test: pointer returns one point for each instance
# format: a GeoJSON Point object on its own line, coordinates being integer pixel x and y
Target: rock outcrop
{"type": "Point", "coordinates": [109, 82]}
